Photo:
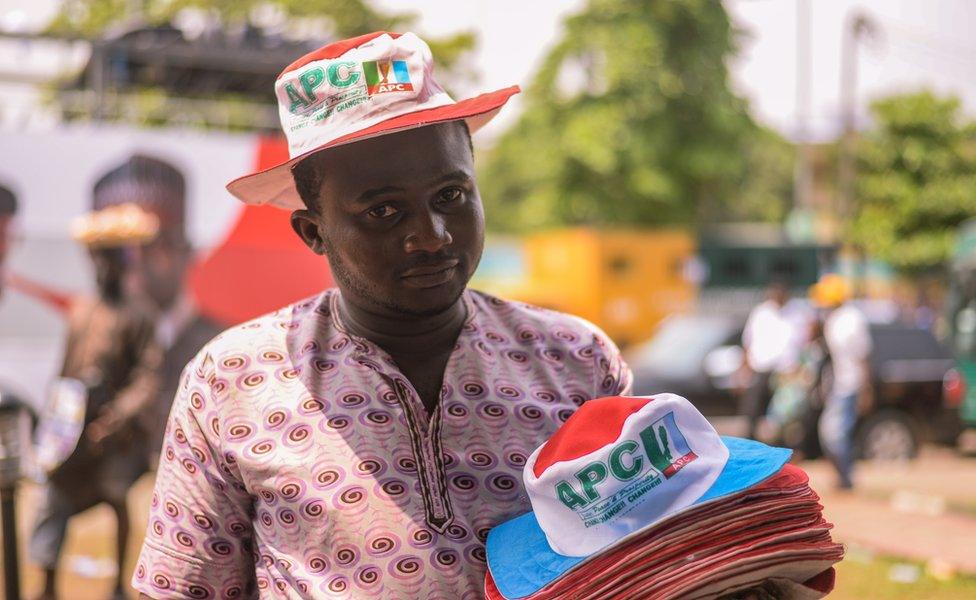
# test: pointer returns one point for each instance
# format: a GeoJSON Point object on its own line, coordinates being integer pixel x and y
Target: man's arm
{"type": "Point", "coordinates": [141, 390]}
{"type": "Point", "coordinates": [195, 484]}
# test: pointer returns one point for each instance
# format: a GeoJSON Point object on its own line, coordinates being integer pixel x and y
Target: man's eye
{"type": "Point", "coordinates": [381, 212]}
{"type": "Point", "coordinates": [452, 194]}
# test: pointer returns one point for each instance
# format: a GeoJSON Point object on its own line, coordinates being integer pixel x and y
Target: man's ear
{"type": "Point", "coordinates": [306, 225]}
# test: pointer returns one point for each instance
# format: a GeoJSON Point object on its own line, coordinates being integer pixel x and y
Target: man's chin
{"type": "Point", "coordinates": [426, 302]}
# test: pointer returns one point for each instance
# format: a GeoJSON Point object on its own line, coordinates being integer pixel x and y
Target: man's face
{"type": "Point", "coordinates": [110, 267]}
{"type": "Point", "coordinates": [162, 268]}
{"type": "Point", "coordinates": [780, 294]}
{"type": "Point", "coordinates": [400, 219]}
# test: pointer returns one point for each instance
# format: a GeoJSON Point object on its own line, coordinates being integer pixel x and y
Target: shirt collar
{"type": "Point", "coordinates": [366, 351]}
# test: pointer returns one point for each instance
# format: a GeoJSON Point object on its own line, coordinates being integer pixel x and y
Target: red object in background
{"type": "Point", "coordinates": [261, 265]}
{"type": "Point", "coordinates": [53, 298]}
{"type": "Point", "coordinates": [953, 388]}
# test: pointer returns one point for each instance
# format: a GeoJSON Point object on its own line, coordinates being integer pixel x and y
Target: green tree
{"type": "Point", "coordinates": [631, 120]}
{"type": "Point", "coordinates": [916, 181]}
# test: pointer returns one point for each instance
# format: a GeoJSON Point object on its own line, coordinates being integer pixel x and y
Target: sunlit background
{"type": "Point", "coordinates": [664, 163]}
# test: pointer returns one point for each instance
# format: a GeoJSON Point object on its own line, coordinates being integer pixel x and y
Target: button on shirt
{"type": "Point", "coordinates": [300, 463]}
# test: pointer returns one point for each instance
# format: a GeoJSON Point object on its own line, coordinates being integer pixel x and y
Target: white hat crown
{"type": "Point", "coordinates": [658, 461]}
{"type": "Point", "coordinates": [323, 99]}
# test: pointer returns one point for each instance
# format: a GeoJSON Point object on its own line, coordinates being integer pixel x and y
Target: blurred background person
{"type": "Point", "coordinates": [849, 346]}
{"type": "Point", "coordinates": [160, 272]}
{"type": "Point", "coordinates": [8, 210]}
{"type": "Point", "coordinates": [111, 350]}
{"type": "Point", "coordinates": [798, 399]}
{"type": "Point", "coordinates": [766, 340]}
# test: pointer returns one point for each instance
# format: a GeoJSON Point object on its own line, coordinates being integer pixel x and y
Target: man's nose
{"type": "Point", "coordinates": [428, 234]}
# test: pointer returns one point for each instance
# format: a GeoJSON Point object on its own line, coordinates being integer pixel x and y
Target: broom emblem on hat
{"type": "Point", "coordinates": [387, 76]}
{"type": "Point", "coordinates": [663, 434]}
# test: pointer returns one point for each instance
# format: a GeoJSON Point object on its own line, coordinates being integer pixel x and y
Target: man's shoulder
{"type": "Point", "coordinates": [764, 309]}
{"type": "Point", "coordinates": [528, 320]}
{"type": "Point", "coordinates": [848, 318]}
{"type": "Point", "coordinates": [845, 313]}
{"type": "Point", "coordinates": [273, 331]}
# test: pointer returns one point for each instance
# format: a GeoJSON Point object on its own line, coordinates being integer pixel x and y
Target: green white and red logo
{"type": "Point", "coordinates": [325, 89]}
{"type": "Point", "coordinates": [387, 76]}
{"type": "Point", "coordinates": [660, 454]}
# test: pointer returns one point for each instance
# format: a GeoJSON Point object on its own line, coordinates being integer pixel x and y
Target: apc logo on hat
{"type": "Point", "coordinates": [617, 464]}
{"type": "Point", "coordinates": [387, 76]}
{"type": "Point", "coordinates": [663, 450]}
{"type": "Point", "coordinates": [332, 86]}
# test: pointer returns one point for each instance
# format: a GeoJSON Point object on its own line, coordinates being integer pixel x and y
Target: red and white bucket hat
{"type": "Point", "coordinates": [353, 90]}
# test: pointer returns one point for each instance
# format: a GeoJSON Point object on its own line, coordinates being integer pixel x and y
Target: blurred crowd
{"type": "Point", "coordinates": [805, 356]}
{"type": "Point", "coordinates": [125, 348]}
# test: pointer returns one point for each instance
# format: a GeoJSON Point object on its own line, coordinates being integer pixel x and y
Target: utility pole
{"type": "Point", "coordinates": [857, 27]}
{"type": "Point", "coordinates": [802, 177]}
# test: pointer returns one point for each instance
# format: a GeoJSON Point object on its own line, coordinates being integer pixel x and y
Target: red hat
{"type": "Point", "coordinates": [353, 90]}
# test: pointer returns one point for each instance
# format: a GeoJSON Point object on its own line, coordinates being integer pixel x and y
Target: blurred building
{"type": "Point", "coordinates": [213, 77]}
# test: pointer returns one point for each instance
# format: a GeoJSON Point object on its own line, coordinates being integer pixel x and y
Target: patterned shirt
{"type": "Point", "coordinates": [299, 462]}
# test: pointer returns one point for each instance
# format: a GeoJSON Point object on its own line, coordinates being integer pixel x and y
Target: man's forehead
{"type": "Point", "coordinates": [410, 157]}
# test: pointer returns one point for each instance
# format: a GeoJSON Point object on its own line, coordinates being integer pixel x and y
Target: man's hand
{"type": "Point", "coordinates": [96, 432]}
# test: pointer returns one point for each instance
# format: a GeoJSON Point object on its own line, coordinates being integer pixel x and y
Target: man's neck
{"type": "Point", "coordinates": [110, 297]}
{"type": "Point", "coordinates": [399, 335]}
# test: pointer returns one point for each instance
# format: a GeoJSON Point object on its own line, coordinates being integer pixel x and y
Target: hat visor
{"type": "Point", "coordinates": [522, 562]}
{"type": "Point", "coordinates": [276, 186]}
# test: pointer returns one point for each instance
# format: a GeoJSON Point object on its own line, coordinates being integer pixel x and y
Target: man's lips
{"type": "Point", "coordinates": [430, 269]}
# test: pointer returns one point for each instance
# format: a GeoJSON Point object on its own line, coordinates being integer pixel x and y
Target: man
{"type": "Point", "coordinates": [361, 443]}
{"type": "Point", "coordinates": [849, 345]}
{"type": "Point", "coordinates": [160, 268]}
{"type": "Point", "coordinates": [111, 352]}
{"type": "Point", "coordinates": [766, 340]}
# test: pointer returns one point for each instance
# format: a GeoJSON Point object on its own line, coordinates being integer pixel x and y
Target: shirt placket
{"type": "Point", "coordinates": [424, 432]}
{"type": "Point", "coordinates": [425, 440]}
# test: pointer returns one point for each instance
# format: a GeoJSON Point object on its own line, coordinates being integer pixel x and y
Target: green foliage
{"type": "Point", "coordinates": [916, 181]}
{"type": "Point", "coordinates": [631, 120]}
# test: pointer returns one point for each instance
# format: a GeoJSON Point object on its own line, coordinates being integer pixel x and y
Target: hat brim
{"type": "Point", "coordinates": [276, 186]}
{"type": "Point", "coordinates": [522, 562]}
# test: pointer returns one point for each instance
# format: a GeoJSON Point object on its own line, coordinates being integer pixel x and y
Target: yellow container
{"type": "Point", "coordinates": [624, 281]}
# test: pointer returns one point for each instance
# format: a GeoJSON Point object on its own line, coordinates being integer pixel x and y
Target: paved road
{"type": "Point", "coordinates": [923, 510]}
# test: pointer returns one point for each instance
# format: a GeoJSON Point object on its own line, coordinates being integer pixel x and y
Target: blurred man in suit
{"type": "Point", "coordinates": [161, 269]}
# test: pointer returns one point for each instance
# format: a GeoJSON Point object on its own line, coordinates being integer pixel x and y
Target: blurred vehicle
{"type": "Point", "coordinates": [961, 320]}
{"type": "Point", "coordinates": [699, 356]}
{"type": "Point", "coordinates": [695, 356]}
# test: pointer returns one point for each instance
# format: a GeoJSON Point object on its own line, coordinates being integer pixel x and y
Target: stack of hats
{"type": "Point", "coordinates": [641, 498]}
